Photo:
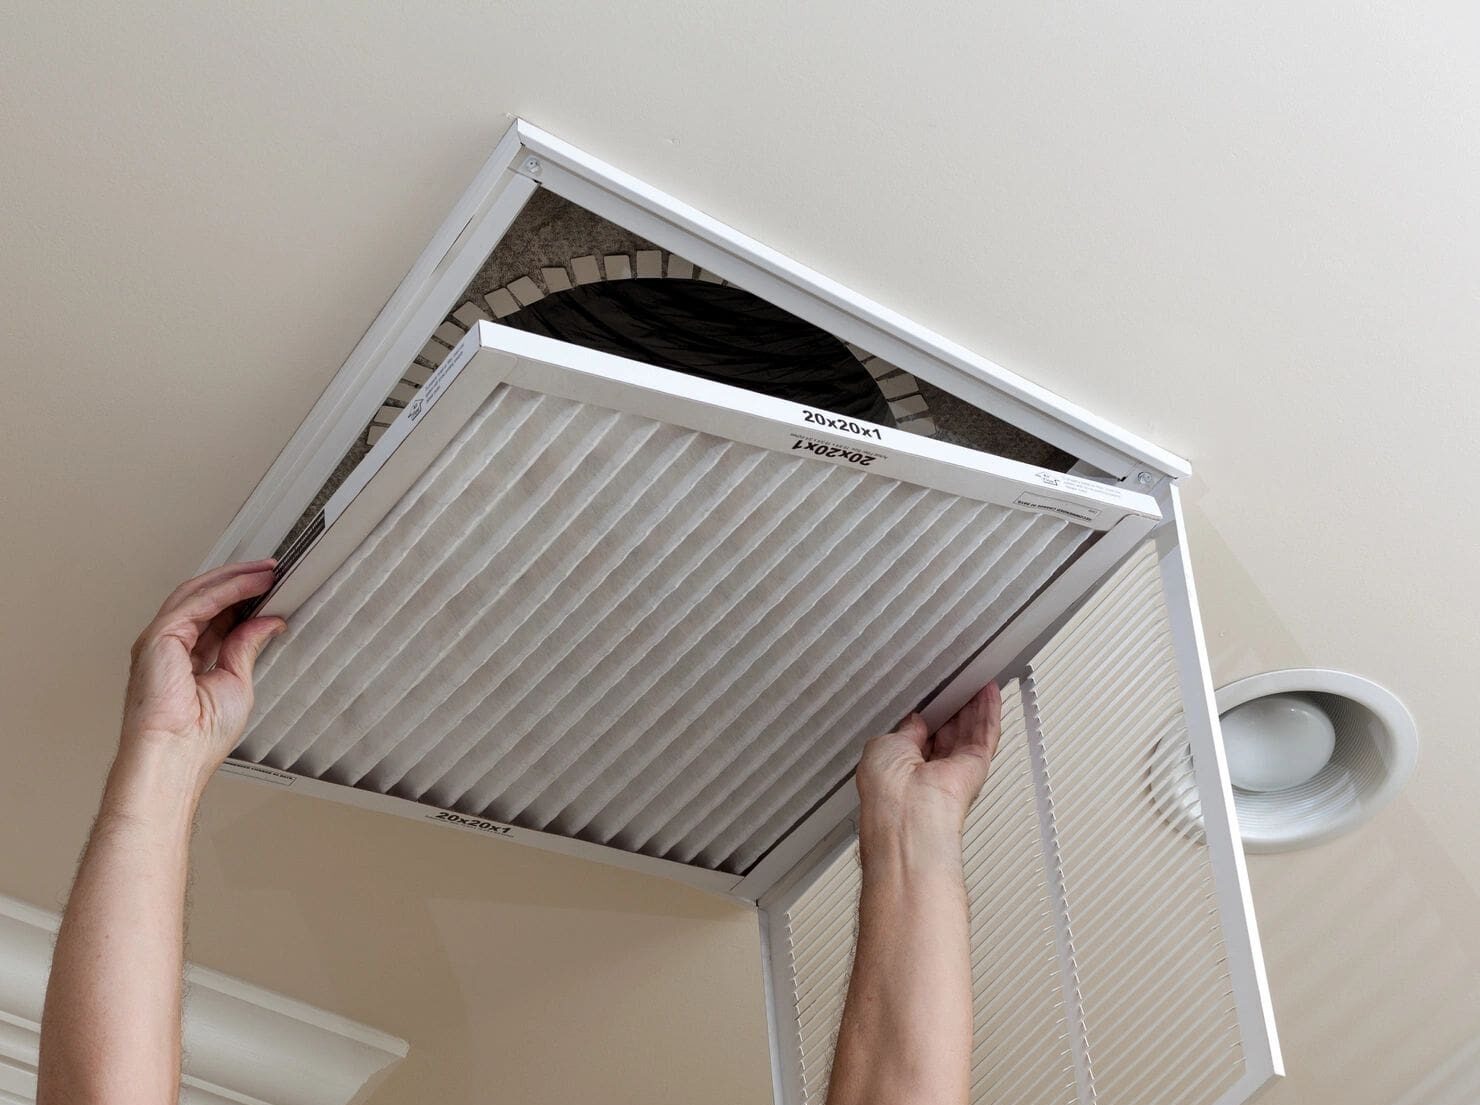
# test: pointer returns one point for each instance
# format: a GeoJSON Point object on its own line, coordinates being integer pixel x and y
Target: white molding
{"type": "Point", "coordinates": [243, 1044]}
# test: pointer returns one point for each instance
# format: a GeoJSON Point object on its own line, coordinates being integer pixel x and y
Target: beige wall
{"type": "Point", "coordinates": [1247, 232]}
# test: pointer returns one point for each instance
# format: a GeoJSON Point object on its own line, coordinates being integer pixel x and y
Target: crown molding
{"type": "Point", "coordinates": [243, 1045]}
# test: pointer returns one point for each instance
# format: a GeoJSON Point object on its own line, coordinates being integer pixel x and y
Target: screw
{"type": "Point", "coordinates": [532, 165]}
{"type": "Point", "coordinates": [1145, 479]}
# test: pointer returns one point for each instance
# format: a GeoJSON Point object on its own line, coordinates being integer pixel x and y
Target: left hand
{"type": "Point", "coordinates": [190, 684]}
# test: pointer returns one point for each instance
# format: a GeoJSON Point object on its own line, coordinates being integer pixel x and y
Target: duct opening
{"type": "Point", "coordinates": [567, 273]}
{"type": "Point", "coordinates": [714, 331]}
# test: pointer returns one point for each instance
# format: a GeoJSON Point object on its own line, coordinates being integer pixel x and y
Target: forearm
{"type": "Point", "coordinates": [111, 1028]}
{"type": "Point", "coordinates": [905, 1037]}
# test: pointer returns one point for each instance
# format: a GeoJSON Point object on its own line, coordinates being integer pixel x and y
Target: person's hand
{"type": "Point", "coordinates": [912, 784]}
{"type": "Point", "coordinates": [190, 683]}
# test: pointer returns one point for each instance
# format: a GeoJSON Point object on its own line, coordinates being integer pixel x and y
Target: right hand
{"type": "Point", "coordinates": [910, 782]}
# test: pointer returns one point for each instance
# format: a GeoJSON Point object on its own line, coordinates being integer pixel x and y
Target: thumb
{"type": "Point", "coordinates": [245, 643]}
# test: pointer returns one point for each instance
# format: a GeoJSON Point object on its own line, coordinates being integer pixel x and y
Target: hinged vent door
{"type": "Point", "coordinates": [582, 596]}
{"type": "Point", "coordinates": [1114, 952]}
{"type": "Point", "coordinates": [1021, 1050]}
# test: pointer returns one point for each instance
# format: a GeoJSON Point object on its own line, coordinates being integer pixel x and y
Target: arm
{"type": "Point", "coordinates": [111, 1027]}
{"type": "Point", "coordinates": [905, 1038]}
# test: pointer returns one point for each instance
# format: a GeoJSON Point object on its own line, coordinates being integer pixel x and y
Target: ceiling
{"type": "Point", "coordinates": [1249, 235]}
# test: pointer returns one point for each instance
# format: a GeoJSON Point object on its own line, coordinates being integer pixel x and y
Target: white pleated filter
{"type": "Point", "coordinates": [1020, 1049]}
{"type": "Point", "coordinates": [604, 626]}
{"type": "Point", "coordinates": [1151, 999]}
{"type": "Point", "coordinates": [1159, 1014]}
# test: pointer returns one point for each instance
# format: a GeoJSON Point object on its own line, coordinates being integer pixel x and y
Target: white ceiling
{"type": "Point", "coordinates": [1249, 235]}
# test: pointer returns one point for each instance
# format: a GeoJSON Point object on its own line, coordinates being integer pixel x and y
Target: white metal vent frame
{"type": "Point", "coordinates": [527, 158]}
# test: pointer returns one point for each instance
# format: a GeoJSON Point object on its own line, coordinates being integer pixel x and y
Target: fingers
{"type": "Point", "coordinates": [209, 646]}
{"type": "Point", "coordinates": [190, 607]}
{"type": "Point", "coordinates": [986, 722]}
{"type": "Point", "coordinates": [210, 601]}
{"type": "Point", "coordinates": [913, 729]}
{"type": "Point", "coordinates": [189, 619]}
{"type": "Point", "coordinates": [976, 727]}
{"type": "Point", "coordinates": [215, 575]}
{"type": "Point", "coordinates": [245, 643]}
{"type": "Point", "coordinates": [993, 719]}
{"type": "Point", "coordinates": [950, 735]}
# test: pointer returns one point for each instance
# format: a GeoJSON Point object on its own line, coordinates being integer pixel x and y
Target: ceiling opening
{"type": "Point", "coordinates": [566, 273]}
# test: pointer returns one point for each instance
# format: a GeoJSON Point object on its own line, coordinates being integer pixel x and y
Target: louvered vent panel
{"type": "Point", "coordinates": [605, 626]}
{"type": "Point", "coordinates": [1020, 1051]}
{"type": "Point", "coordinates": [821, 928]}
{"type": "Point", "coordinates": [1159, 1014]}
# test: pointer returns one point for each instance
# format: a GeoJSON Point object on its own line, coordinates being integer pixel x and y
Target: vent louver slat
{"type": "Point", "coordinates": [599, 624]}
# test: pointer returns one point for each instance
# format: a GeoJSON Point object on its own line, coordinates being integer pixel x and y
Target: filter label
{"type": "Point", "coordinates": [833, 451]}
{"type": "Point", "coordinates": [1063, 508]}
{"type": "Point", "coordinates": [258, 772]}
{"type": "Point", "coordinates": [476, 823]}
{"type": "Point", "coordinates": [846, 425]}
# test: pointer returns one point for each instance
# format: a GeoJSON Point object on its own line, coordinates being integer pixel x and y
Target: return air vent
{"type": "Point", "coordinates": [560, 599]}
{"type": "Point", "coordinates": [666, 634]}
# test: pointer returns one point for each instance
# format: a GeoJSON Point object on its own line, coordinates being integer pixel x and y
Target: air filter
{"type": "Point", "coordinates": [602, 600]}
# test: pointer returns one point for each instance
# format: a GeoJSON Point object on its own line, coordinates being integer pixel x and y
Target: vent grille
{"type": "Point", "coordinates": [1153, 992]}
{"type": "Point", "coordinates": [1158, 1004]}
{"type": "Point", "coordinates": [1020, 1049]}
{"type": "Point", "coordinates": [609, 627]}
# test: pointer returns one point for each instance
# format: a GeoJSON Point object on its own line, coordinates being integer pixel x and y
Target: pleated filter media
{"type": "Point", "coordinates": [1140, 987]}
{"type": "Point", "coordinates": [606, 626]}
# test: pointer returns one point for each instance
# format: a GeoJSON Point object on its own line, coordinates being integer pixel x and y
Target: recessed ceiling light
{"type": "Point", "coordinates": [1311, 753]}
